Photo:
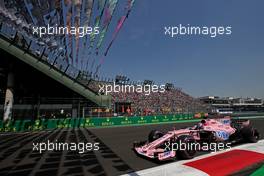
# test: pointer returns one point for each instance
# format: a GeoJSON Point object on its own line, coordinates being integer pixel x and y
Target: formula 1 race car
{"type": "Point", "coordinates": [221, 132]}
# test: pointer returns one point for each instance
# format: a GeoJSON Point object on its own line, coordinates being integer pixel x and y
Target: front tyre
{"type": "Point", "coordinates": [154, 135]}
{"type": "Point", "coordinates": [189, 151]}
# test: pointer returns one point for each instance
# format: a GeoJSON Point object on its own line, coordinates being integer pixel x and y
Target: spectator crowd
{"type": "Point", "coordinates": [173, 100]}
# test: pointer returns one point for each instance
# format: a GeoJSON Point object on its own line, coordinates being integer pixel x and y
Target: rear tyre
{"type": "Point", "coordinates": [190, 150]}
{"type": "Point", "coordinates": [250, 134]}
{"type": "Point", "coordinates": [154, 135]}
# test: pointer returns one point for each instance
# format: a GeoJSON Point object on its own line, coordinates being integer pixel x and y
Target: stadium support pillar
{"type": "Point", "coordinates": [9, 97]}
{"type": "Point", "coordinates": [74, 112]}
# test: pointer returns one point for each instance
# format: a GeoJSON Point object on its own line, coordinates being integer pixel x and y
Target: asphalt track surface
{"type": "Point", "coordinates": [115, 156]}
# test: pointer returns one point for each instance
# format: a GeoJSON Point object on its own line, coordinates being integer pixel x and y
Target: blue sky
{"type": "Point", "coordinates": [225, 66]}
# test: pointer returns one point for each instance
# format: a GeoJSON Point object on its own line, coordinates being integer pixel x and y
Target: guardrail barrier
{"type": "Point", "coordinates": [94, 122]}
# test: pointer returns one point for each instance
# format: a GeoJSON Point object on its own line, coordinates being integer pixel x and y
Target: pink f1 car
{"type": "Point", "coordinates": [164, 146]}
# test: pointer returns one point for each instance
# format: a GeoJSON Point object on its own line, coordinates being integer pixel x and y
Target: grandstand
{"type": "Point", "coordinates": [232, 105]}
{"type": "Point", "coordinates": [172, 101]}
{"type": "Point", "coordinates": [15, 48]}
{"type": "Point", "coordinates": [88, 101]}
{"type": "Point", "coordinates": [41, 78]}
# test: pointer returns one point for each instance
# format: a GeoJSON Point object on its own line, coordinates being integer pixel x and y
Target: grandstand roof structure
{"type": "Point", "coordinates": [90, 27]}
{"type": "Point", "coordinates": [66, 57]}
